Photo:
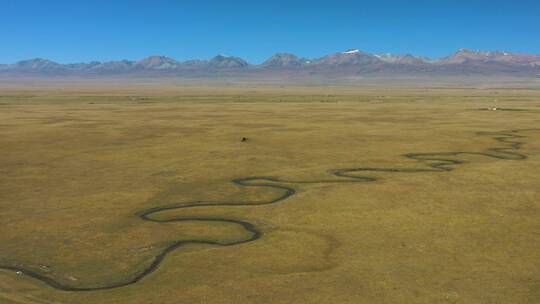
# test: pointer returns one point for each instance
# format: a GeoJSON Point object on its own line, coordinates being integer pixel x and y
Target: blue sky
{"type": "Point", "coordinates": [81, 30]}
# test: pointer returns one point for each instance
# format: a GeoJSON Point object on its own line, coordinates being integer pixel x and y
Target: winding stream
{"type": "Point", "coordinates": [510, 142]}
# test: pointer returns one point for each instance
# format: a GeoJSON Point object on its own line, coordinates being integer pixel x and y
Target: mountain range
{"type": "Point", "coordinates": [350, 62]}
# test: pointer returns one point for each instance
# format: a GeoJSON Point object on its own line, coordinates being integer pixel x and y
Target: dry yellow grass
{"type": "Point", "coordinates": [77, 165]}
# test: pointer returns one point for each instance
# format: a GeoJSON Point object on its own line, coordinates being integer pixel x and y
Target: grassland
{"type": "Point", "coordinates": [83, 169]}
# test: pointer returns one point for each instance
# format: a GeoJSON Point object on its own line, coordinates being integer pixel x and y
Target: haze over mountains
{"type": "Point", "coordinates": [351, 62]}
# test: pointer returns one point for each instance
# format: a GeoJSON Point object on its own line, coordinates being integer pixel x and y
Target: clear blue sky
{"type": "Point", "coordinates": [85, 30]}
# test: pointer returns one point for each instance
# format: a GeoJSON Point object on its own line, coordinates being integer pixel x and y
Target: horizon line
{"type": "Point", "coordinates": [273, 54]}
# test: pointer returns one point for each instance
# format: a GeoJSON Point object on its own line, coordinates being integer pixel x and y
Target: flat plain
{"type": "Point", "coordinates": [339, 195]}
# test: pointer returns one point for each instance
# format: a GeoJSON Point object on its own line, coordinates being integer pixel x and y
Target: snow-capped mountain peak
{"type": "Point", "coordinates": [353, 51]}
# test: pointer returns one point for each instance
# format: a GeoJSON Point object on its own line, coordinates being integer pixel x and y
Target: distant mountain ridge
{"type": "Point", "coordinates": [350, 62]}
{"type": "Point", "coordinates": [285, 60]}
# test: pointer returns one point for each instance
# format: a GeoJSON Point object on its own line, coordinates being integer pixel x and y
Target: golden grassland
{"type": "Point", "coordinates": [78, 164]}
